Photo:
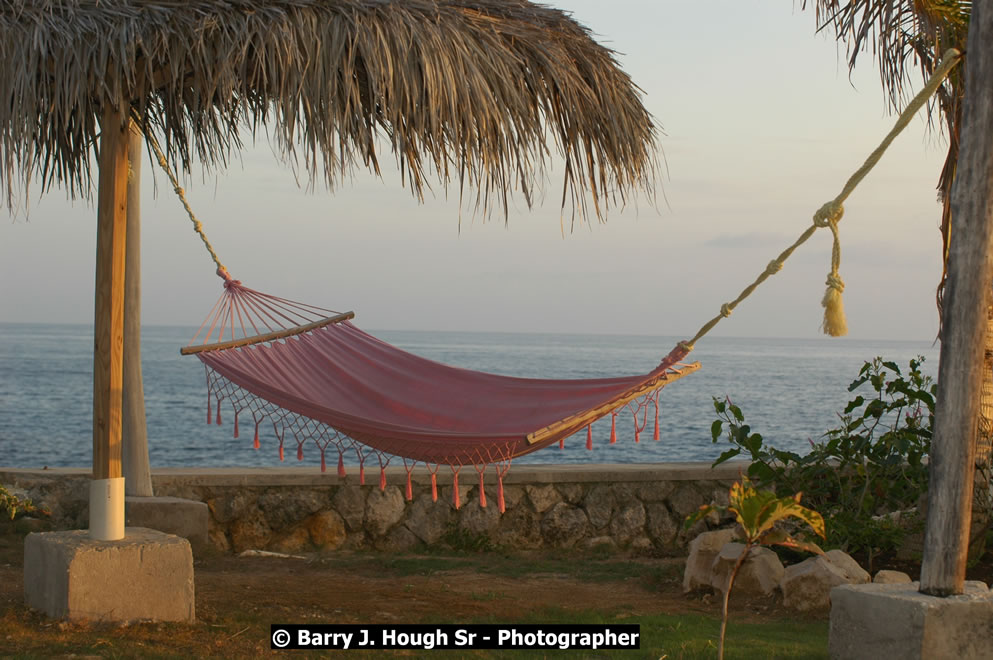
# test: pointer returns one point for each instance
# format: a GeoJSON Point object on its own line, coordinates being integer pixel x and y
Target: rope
{"type": "Point", "coordinates": [197, 225]}
{"type": "Point", "coordinates": [830, 214]}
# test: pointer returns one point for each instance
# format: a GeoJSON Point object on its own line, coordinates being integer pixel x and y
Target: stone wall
{"type": "Point", "coordinates": [637, 508]}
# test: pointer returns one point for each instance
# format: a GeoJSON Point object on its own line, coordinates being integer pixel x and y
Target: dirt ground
{"type": "Point", "coordinates": [237, 598]}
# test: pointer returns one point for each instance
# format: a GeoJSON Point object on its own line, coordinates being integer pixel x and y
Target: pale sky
{"type": "Point", "coordinates": [762, 125]}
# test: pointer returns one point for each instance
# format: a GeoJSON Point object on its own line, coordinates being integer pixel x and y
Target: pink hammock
{"type": "Point", "coordinates": [328, 383]}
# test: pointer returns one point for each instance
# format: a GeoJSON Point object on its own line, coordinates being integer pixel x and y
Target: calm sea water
{"type": "Point", "coordinates": [789, 389]}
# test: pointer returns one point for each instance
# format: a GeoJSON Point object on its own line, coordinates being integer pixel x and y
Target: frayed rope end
{"type": "Point", "coordinates": [835, 323]}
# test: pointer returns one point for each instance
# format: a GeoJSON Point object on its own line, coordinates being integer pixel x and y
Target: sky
{"type": "Point", "coordinates": [762, 124]}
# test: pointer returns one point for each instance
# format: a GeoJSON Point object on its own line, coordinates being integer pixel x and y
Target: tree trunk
{"type": "Point", "coordinates": [137, 473]}
{"type": "Point", "coordinates": [967, 296]}
{"type": "Point", "coordinates": [106, 494]}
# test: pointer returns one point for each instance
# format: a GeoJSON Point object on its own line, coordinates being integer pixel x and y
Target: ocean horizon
{"type": "Point", "coordinates": [790, 390]}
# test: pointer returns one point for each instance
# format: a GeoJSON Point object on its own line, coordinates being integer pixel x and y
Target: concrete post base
{"type": "Point", "coordinates": [172, 515]}
{"type": "Point", "coordinates": [873, 621]}
{"type": "Point", "coordinates": [147, 575]}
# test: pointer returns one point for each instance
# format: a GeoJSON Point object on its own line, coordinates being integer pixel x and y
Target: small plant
{"type": "Point", "coordinates": [16, 507]}
{"type": "Point", "coordinates": [758, 513]}
{"type": "Point", "coordinates": [870, 465]}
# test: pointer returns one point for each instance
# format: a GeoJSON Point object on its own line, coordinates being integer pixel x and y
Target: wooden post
{"type": "Point", "coordinates": [106, 492]}
{"type": "Point", "coordinates": [137, 473]}
{"type": "Point", "coordinates": [960, 370]}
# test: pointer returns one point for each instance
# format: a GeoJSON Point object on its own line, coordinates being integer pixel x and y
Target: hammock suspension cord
{"type": "Point", "coordinates": [829, 215]}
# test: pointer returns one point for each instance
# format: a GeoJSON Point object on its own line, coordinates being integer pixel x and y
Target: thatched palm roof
{"type": "Point", "coordinates": [468, 91]}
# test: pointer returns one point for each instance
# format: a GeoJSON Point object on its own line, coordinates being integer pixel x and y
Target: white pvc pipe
{"type": "Point", "coordinates": [107, 509]}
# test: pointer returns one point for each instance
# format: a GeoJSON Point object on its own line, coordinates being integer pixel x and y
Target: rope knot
{"type": "Point", "coordinates": [835, 282]}
{"type": "Point", "coordinates": [774, 267]}
{"type": "Point", "coordinates": [725, 310]}
{"type": "Point", "coordinates": [829, 214]}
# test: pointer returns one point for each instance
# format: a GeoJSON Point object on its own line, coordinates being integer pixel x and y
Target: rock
{"type": "Point", "coordinates": [655, 492]}
{"type": "Point", "coordinates": [891, 577]}
{"type": "Point", "coordinates": [685, 500]}
{"type": "Point", "coordinates": [398, 539]}
{"type": "Point", "coordinates": [428, 520]}
{"type": "Point", "coordinates": [250, 532]}
{"type": "Point", "coordinates": [285, 507]}
{"type": "Point", "coordinates": [661, 527]}
{"type": "Point", "coordinates": [384, 508]}
{"type": "Point", "coordinates": [564, 525]}
{"type": "Point", "coordinates": [519, 529]}
{"type": "Point", "coordinates": [326, 529]}
{"type": "Point", "coordinates": [476, 520]}
{"type": "Point", "coordinates": [349, 502]}
{"type": "Point", "coordinates": [542, 498]}
{"type": "Point", "coordinates": [571, 493]}
{"type": "Point", "coordinates": [703, 550]}
{"type": "Point", "coordinates": [599, 504]}
{"type": "Point", "coordinates": [295, 540]}
{"type": "Point", "coordinates": [226, 509]}
{"type": "Point", "coordinates": [760, 575]}
{"type": "Point", "coordinates": [628, 522]}
{"type": "Point", "coordinates": [849, 566]}
{"type": "Point", "coordinates": [807, 586]}
{"type": "Point", "coordinates": [641, 545]}
{"type": "Point", "coordinates": [599, 543]}
{"type": "Point", "coordinates": [512, 496]}
{"type": "Point", "coordinates": [218, 539]}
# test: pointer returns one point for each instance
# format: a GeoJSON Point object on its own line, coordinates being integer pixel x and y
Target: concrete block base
{"type": "Point", "coordinates": [147, 575]}
{"type": "Point", "coordinates": [873, 621]}
{"type": "Point", "coordinates": [172, 515]}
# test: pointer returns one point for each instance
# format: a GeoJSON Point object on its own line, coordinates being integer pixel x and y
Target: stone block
{"type": "Point", "coordinates": [147, 575]}
{"type": "Point", "coordinates": [807, 586]}
{"type": "Point", "coordinates": [703, 550]}
{"type": "Point", "coordinates": [171, 515]}
{"type": "Point", "coordinates": [759, 575]}
{"type": "Point", "coordinates": [872, 621]}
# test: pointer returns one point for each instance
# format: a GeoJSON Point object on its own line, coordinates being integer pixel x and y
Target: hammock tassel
{"type": "Point", "coordinates": [456, 500]}
{"type": "Point", "coordinates": [562, 443]}
{"type": "Point", "coordinates": [236, 426]}
{"type": "Point", "coordinates": [613, 427]}
{"type": "Point", "coordinates": [589, 437]}
{"type": "Point", "coordinates": [219, 412]}
{"type": "Point", "coordinates": [299, 451]}
{"type": "Point", "coordinates": [657, 436]}
{"type": "Point", "coordinates": [324, 466]}
{"type": "Point", "coordinates": [361, 474]}
{"type": "Point", "coordinates": [382, 478]}
{"type": "Point", "coordinates": [501, 504]}
{"type": "Point", "coordinates": [209, 409]}
{"type": "Point", "coordinates": [341, 465]}
{"type": "Point", "coordinates": [257, 444]}
{"type": "Point", "coordinates": [482, 490]}
{"type": "Point", "coordinates": [637, 429]}
{"type": "Point", "coordinates": [410, 488]}
{"type": "Point", "coordinates": [434, 486]}
{"type": "Point", "coordinates": [280, 452]}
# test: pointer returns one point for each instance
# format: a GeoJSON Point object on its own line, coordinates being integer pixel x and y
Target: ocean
{"type": "Point", "coordinates": [790, 391]}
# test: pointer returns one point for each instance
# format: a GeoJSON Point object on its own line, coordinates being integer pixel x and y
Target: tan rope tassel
{"type": "Point", "coordinates": [831, 213]}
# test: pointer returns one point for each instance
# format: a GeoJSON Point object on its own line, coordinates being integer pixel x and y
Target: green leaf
{"type": "Point", "coordinates": [736, 411]}
{"type": "Point", "coordinates": [715, 429]}
{"type": "Point", "coordinates": [728, 455]}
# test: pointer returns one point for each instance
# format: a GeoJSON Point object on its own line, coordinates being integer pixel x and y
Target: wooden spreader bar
{"type": "Point", "coordinates": [269, 336]}
{"type": "Point", "coordinates": [576, 422]}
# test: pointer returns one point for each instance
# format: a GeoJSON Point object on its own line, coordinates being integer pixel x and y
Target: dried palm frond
{"type": "Point", "coordinates": [467, 91]}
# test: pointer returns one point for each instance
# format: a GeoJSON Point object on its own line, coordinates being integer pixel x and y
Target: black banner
{"type": "Point", "coordinates": [423, 637]}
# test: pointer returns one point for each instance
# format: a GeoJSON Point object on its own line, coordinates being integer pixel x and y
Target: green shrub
{"type": "Point", "coordinates": [870, 465]}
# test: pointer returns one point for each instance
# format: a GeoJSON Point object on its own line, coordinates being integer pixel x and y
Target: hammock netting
{"type": "Point", "coordinates": [324, 385]}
